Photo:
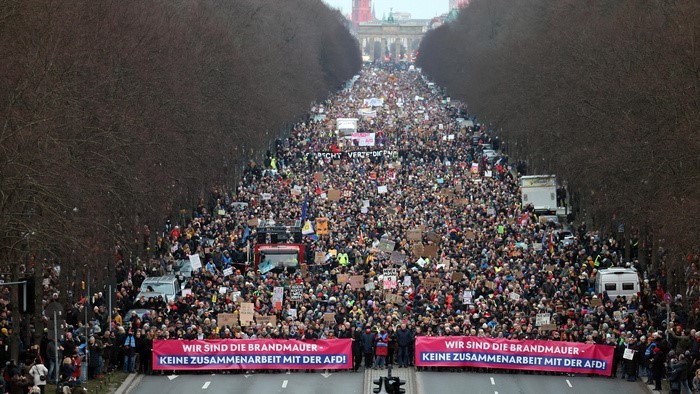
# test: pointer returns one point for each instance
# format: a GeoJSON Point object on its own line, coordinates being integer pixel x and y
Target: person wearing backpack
{"type": "Point", "coordinates": [39, 373]}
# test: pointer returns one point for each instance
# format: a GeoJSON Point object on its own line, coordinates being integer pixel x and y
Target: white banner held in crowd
{"type": "Point", "coordinates": [628, 355]}
{"type": "Point", "coordinates": [195, 261]}
{"type": "Point", "coordinates": [363, 139]}
{"type": "Point", "coordinates": [278, 295]}
{"type": "Point", "coordinates": [542, 319]}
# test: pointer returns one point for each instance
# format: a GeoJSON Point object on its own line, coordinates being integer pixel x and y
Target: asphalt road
{"type": "Point", "coordinates": [500, 383]}
{"type": "Point", "coordinates": [353, 383]}
{"type": "Point", "coordinates": [258, 383]}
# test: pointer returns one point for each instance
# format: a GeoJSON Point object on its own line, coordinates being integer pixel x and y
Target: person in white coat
{"type": "Point", "coordinates": [39, 373]}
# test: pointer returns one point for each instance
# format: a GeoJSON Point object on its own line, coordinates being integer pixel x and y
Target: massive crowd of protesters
{"type": "Point", "coordinates": [437, 180]}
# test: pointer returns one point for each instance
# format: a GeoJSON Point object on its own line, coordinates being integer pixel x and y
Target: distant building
{"type": "Point", "coordinates": [456, 4]}
{"type": "Point", "coordinates": [361, 12]}
{"type": "Point", "coordinates": [401, 16]}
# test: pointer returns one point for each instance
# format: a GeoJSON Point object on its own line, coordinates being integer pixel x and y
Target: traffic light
{"type": "Point", "coordinates": [382, 386]}
{"type": "Point", "coordinates": [25, 301]}
{"type": "Point", "coordinates": [395, 386]}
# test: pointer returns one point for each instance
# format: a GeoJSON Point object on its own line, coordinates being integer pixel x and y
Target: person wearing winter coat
{"type": "Point", "coordinates": [95, 349]}
{"type": "Point", "coordinates": [356, 347]}
{"type": "Point", "coordinates": [404, 337]}
{"type": "Point", "coordinates": [382, 348]}
{"type": "Point", "coordinates": [39, 374]}
{"type": "Point", "coordinates": [368, 346]}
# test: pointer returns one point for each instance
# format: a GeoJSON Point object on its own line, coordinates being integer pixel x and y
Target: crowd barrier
{"type": "Point", "coordinates": [532, 355]}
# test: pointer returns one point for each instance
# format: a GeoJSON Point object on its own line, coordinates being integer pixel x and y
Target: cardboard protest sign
{"type": "Point", "coordinates": [246, 313]}
{"type": "Point", "coordinates": [394, 298]}
{"type": "Point", "coordinates": [431, 282]}
{"type": "Point", "coordinates": [357, 282]}
{"type": "Point", "coordinates": [329, 317]}
{"type": "Point", "coordinates": [417, 250]}
{"type": "Point", "coordinates": [369, 286]}
{"type": "Point", "coordinates": [491, 285]}
{"type": "Point", "coordinates": [253, 222]}
{"type": "Point", "coordinates": [432, 236]}
{"type": "Point", "coordinates": [322, 226]}
{"type": "Point", "coordinates": [514, 296]}
{"type": "Point", "coordinates": [304, 269]}
{"type": "Point", "coordinates": [265, 320]}
{"type": "Point", "coordinates": [347, 193]}
{"type": "Point", "coordinates": [334, 195]}
{"type": "Point", "coordinates": [461, 202]}
{"type": "Point", "coordinates": [228, 271]}
{"type": "Point", "coordinates": [387, 245]}
{"type": "Point", "coordinates": [414, 234]}
{"type": "Point", "coordinates": [320, 257]}
{"type": "Point", "coordinates": [469, 234]}
{"type": "Point", "coordinates": [318, 177]}
{"type": "Point", "coordinates": [407, 280]}
{"type": "Point", "coordinates": [430, 251]}
{"type": "Point", "coordinates": [629, 354]}
{"type": "Point", "coordinates": [421, 262]}
{"type": "Point", "coordinates": [226, 319]}
{"type": "Point", "coordinates": [382, 189]}
{"type": "Point", "coordinates": [542, 318]}
{"type": "Point", "coordinates": [296, 292]}
{"type": "Point", "coordinates": [343, 278]}
{"type": "Point", "coordinates": [595, 302]}
{"type": "Point", "coordinates": [457, 276]}
{"type": "Point", "coordinates": [548, 327]}
{"type": "Point", "coordinates": [397, 257]}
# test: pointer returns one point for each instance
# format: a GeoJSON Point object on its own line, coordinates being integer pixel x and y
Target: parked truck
{"type": "Point", "coordinates": [278, 247]}
{"type": "Point", "coordinates": [540, 191]}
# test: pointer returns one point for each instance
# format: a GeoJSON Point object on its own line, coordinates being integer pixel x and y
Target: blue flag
{"type": "Point", "coordinates": [304, 208]}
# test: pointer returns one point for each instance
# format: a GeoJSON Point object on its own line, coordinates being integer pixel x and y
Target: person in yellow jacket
{"type": "Point", "coordinates": [343, 258]}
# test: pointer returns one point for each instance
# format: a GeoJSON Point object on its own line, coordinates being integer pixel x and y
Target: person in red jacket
{"type": "Point", "coordinates": [381, 349]}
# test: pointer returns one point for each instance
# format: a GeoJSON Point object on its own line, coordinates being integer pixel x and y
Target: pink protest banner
{"type": "Point", "coordinates": [570, 357]}
{"type": "Point", "coordinates": [252, 354]}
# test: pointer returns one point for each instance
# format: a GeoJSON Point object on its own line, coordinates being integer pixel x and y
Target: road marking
{"type": "Point", "coordinates": [326, 374]}
{"type": "Point", "coordinates": [246, 376]}
{"type": "Point", "coordinates": [284, 384]}
{"type": "Point", "coordinates": [289, 372]}
{"type": "Point", "coordinates": [569, 383]}
{"type": "Point", "coordinates": [206, 385]}
{"type": "Point", "coordinates": [171, 377]}
{"type": "Point", "coordinates": [493, 382]}
{"type": "Point", "coordinates": [495, 392]}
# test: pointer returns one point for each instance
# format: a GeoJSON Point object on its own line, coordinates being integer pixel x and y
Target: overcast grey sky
{"type": "Point", "coordinates": [419, 9]}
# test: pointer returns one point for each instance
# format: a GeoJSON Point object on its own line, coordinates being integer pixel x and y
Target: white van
{"type": "Point", "coordinates": [617, 282]}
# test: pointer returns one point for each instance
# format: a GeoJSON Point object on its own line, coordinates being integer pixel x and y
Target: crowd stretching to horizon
{"type": "Point", "coordinates": [437, 180]}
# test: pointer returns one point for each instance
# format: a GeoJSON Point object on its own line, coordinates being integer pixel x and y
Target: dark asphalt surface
{"type": "Point", "coordinates": [293, 383]}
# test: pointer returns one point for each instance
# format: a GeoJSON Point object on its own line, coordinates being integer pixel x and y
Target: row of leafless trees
{"type": "Point", "coordinates": [114, 114]}
{"type": "Point", "coordinates": [603, 93]}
